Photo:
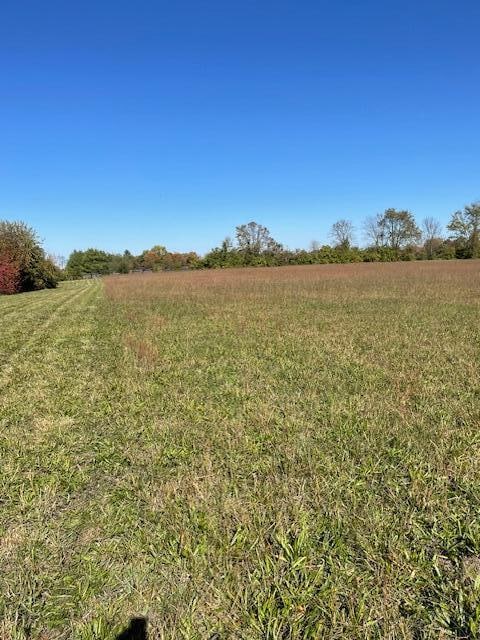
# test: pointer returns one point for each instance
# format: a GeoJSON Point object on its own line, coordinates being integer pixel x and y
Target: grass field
{"type": "Point", "coordinates": [263, 453]}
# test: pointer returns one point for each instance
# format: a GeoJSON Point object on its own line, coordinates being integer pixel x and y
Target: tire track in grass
{"type": "Point", "coordinates": [34, 300]}
{"type": "Point", "coordinates": [25, 319]}
{"type": "Point", "coordinates": [70, 459]}
{"type": "Point", "coordinates": [10, 303]}
{"type": "Point", "coordinates": [33, 374]}
{"type": "Point", "coordinates": [47, 544]}
{"type": "Point", "coordinates": [17, 308]}
{"type": "Point", "coordinates": [31, 299]}
{"type": "Point", "coordinates": [47, 459]}
{"type": "Point", "coordinates": [7, 368]}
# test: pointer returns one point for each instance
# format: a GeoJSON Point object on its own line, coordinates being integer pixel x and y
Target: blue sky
{"type": "Point", "coordinates": [128, 124]}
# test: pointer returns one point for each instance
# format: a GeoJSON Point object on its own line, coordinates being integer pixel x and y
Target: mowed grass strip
{"type": "Point", "coordinates": [262, 453]}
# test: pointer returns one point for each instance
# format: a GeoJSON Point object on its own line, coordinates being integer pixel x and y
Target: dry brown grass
{"type": "Point", "coordinates": [445, 278]}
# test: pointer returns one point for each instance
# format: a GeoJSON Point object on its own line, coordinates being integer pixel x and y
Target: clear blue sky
{"type": "Point", "coordinates": [128, 124]}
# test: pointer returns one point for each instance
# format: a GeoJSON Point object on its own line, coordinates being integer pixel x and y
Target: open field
{"type": "Point", "coordinates": [263, 453]}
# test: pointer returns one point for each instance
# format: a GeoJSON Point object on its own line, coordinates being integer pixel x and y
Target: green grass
{"type": "Point", "coordinates": [266, 454]}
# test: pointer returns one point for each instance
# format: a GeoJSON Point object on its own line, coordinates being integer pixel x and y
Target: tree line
{"type": "Point", "coordinates": [389, 236]}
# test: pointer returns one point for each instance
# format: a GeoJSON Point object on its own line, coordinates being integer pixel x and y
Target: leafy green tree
{"type": "Point", "coordinates": [19, 244]}
{"type": "Point", "coordinates": [123, 266]}
{"type": "Point", "coordinates": [88, 262]}
{"type": "Point", "coordinates": [223, 256]}
{"type": "Point", "coordinates": [465, 230]}
{"type": "Point", "coordinates": [128, 260]}
{"type": "Point", "coordinates": [175, 261]}
{"type": "Point", "coordinates": [254, 239]}
{"type": "Point", "coordinates": [397, 229]}
{"type": "Point", "coordinates": [119, 263]}
{"type": "Point", "coordinates": [153, 258]}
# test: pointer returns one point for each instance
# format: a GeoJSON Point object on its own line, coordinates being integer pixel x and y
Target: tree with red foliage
{"type": "Point", "coordinates": [23, 263]}
{"type": "Point", "coordinates": [9, 274]}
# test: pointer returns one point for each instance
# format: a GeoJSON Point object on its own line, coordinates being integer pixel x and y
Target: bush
{"type": "Point", "coordinates": [23, 264]}
{"type": "Point", "coordinates": [9, 274]}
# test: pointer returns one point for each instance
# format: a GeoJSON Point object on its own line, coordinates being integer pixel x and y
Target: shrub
{"type": "Point", "coordinates": [24, 264]}
{"type": "Point", "coordinates": [9, 274]}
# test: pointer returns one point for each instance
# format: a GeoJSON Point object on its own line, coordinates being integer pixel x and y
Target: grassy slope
{"type": "Point", "coordinates": [281, 453]}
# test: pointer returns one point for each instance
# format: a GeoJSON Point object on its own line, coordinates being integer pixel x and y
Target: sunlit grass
{"type": "Point", "coordinates": [262, 453]}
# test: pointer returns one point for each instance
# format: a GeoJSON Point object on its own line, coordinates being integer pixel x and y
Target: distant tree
{"type": "Point", "coordinates": [255, 239]}
{"type": "Point", "coordinates": [175, 261]}
{"type": "Point", "coordinates": [315, 245]}
{"type": "Point", "coordinates": [342, 233]}
{"type": "Point", "coordinates": [22, 254]}
{"type": "Point", "coordinates": [399, 229]}
{"type": "Point", "coordinates": [393, 229]}
{"type": "Point", "coordinates": [227, 244]}
{"type": "Point", "coordinates": [123, 266]}
{"type": "Point", "coordinates": [158, 258]}
{"type": "Point", "coordinates": [226, 255]}
{"type": "Point", "coordinates": [374, 231]}
{"type": "Point", "coordinates": [119, 263]}
{"type": "Point", "coordinates": [432, 236]}
{"type": "Point", "coordinates": [58, 260]}
{"type": "Point", "coordinates": [154, 258]}
{"type": "Point", "coordinates": [127, 262]}
{"type": "Point", "coordinates": [82, 263]}
{"type": "Point", "coordinates": [446, 250]}
{"type": "Point", "coordinates": [465, 230]}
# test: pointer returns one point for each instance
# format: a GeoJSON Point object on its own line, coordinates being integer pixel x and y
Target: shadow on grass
{"type": "Point", "coordinates": [136, 630]}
